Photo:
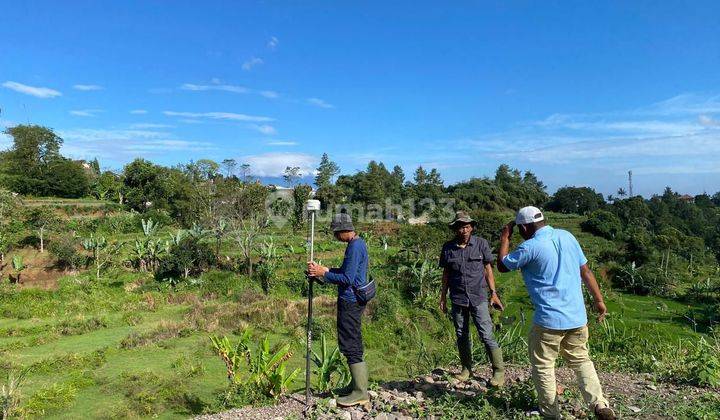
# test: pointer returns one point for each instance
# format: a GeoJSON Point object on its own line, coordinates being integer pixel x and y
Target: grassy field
{"type": "Point", "coordinates": [128, 346]}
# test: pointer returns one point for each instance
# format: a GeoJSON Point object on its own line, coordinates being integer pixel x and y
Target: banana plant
{"type": "Point", "coordinates": [423, 275]}
{"type": "Point", "coordinates": [384, 240]}
{"type": "Point", "coordinates": [267, 369]}
{"type": "Point", "coordinates": [102, 251]}
{"type": "Point", "coordinates": [18, 266]}
{"type": "Point", "coordinates": [149, 227]}
{"type": "Point", "coordinates": [268, 264]}
{"type": "Point", "coordinates": [329, 364]}
{"type": "Point", "coordinates": [197, 232]}
{"type": "Point", "coordinates": [232, 355]}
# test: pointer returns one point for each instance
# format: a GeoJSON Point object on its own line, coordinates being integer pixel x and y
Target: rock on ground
{"type": "Point", "coordinates": [627, 394]}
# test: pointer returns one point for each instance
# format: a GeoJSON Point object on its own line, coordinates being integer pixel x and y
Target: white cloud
{"type": "Point", "coordinates": [270, 94]}
{"type": "Point", "coordinates": [226, 88]}
{"type": "Point", "coordinates": [85, 112]}
{"type": "Point", "coordinates": [273, 43]}
{"type": "Point", "coordinates": [319, 102]}
{"type": "Point", "coordinates": [88, 87]}
{"type": "Point", "coordinates": [683, 105]}
{"type": "Point", "coordinates": [138, 112]}
{"type": "Point", "coordinates": [265, 129]}
{"type": "Point", "coordinates": [112, 144]}
{"type": "Point", "coordinates": [38, 92]}
{"type": "Point", "coordinates": [97, 135]}
{"type": "Point", "coordinates": [708, 121]}
{"type": "Point", "coordinates": [282, 143]}
{"type": "Point", "coordinates": [143, 126]}
{"type": "Point", "coordinates": [274, 164]}
{"type": "Point", "coordinates": [253, 62]}
{"type": "Point", "coordinates": [219, 116]}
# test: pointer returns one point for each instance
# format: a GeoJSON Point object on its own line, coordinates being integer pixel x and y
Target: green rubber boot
{"type": "Point", "coordinates": [346, 390]}
{"type": "Point", "coordinates": [466, 362]}
{"type": "Point", "coordinates": [498, 367]}
{"type": "Point", "coordinates": [359, 394]}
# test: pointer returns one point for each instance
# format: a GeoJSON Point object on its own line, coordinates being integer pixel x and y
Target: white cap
{"type": "Point", "coordinates": [528, 214]}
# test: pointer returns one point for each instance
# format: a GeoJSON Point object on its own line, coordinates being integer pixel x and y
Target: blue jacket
{"type": "Point", "coordinates": [353, 271]}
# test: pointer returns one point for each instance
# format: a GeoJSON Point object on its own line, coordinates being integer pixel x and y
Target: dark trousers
{"type": "Point", "coordinates": [480, 316]}
{"type": "Point", "coordinates": [349, 330]}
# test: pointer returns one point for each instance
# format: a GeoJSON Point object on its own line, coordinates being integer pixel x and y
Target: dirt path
{"type": "Point", "coordinates": [631, 395]}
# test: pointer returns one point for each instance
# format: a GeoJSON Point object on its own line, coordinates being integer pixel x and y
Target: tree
{"type": "Point", "coordinates": [148, 186]}
{"type": "Point", "coordinates": [229, 165]}
{"type": "Point", "coordinates": [427, 189]}
{"type": "Point", "coordinates": [301, 193]}
{"type": "Point", "coordinates": [202, 170]}
{"type": "Point", "coordinates": [34, 166]}
{"type": "Point", "coordinates": [102, 251]}
{"type": "Point", "coordinates": [245, 172]}
{"type": "Point", "coordinates": [578, 200]}
{"type": "Point", "coordinates": [326, 172]}
{"type": "Point", "coordinates": [292, 175]}
{"type": "Point", "coordinates": [621, 192]}
{"type": "Point", "coordinates": [68, 180]}
{"type": "Point", "coordinates": [108, 186]}
{"type": "Point", "coordinates": [246, 233]}
{"type": "Point", "coordinates": [41, 219]}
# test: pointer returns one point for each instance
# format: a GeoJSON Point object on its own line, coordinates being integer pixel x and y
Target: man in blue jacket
{"type": "Point", "coordinates": [352, 274]}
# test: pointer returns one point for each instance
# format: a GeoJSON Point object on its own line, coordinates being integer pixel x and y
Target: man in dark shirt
{"type": "Point", "coordinates": [352, 274]}
{"type": "Point", "coordinates": [467, 273]}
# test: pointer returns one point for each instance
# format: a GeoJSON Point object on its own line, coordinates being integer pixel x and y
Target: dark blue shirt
{"type": "Point", "coordinates": [353, 271]}
{"type": "Point", "coordinates": [466, 269]}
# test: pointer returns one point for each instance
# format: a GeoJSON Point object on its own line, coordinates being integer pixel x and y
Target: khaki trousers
{"type": "Point", "coordinates": [544, 345]}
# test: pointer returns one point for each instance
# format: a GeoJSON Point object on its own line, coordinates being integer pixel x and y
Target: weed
{"type": "Point", "coordinates": [49, 398]}
{"type": "Point", "coordinates": [10, 392]}
{"type": "Point", "coordinates": [165, 331]}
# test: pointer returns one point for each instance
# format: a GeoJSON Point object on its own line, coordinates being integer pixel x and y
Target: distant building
{"type": "Point", "coordinates": [687, 198]}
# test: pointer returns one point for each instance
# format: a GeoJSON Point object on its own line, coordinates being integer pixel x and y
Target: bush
{"type": "Point", "coordinates": [120, 223]}
{"type": "Point", "coordinates": [189, 257]}
{"type": "Point", "coordinates": [66, 250]}
{"type": "Point", "coordinates": [603, 223]}
{"type": "Point", "coordinates": [489, 225]}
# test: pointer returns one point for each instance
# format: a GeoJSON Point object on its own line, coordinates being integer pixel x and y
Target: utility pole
{"type": "Point", "coordinates": [630, 186]}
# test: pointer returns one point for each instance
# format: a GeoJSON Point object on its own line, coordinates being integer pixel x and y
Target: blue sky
{"type": "Point", "coordinates": [578, 93]}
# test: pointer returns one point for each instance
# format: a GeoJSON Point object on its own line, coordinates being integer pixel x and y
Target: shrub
{"type": "Point", "coordinates": [603, 223]}
{"type": "Point", "coordinates": [66, 250]}
{"type": "Point", "coordinates": [187, 257]}
{"type": "Point", "coordinates": [705, 364]}
{"type": "Point", "coordinates": [489, 225]}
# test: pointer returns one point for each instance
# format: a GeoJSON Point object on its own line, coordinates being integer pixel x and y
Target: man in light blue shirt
{"type": "Point", "coordinates": [554, 267]}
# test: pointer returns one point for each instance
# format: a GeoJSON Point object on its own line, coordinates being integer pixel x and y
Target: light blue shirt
{"type": "Point", "coordinates": [550, 262]}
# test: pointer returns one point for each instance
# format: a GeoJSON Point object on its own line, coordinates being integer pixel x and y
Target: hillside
{"type": "Point", "coordinates": [126, 345]}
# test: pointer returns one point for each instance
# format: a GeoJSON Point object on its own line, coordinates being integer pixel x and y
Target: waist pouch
{"type": "Point", "coordinates": [366, 293]}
